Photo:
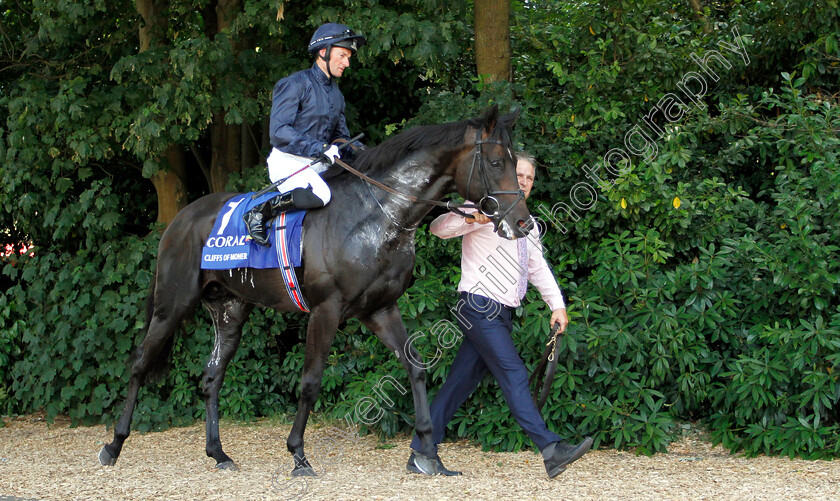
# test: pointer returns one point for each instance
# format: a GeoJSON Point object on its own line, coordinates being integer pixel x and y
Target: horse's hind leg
{"type": "Point", "coordinates": [229, 313]}
{"type": "Point", "coordinates": [150, 358]}
{"type": "Point", "coordinates": [320, 332]}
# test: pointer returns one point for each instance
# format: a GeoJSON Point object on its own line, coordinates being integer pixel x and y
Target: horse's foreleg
{"type": "Point", "coordinates": [320, 332]}
{"type": "Point", "coordinates": [388, 326]}
{"type": "Point", "coordinates": [228, 316]}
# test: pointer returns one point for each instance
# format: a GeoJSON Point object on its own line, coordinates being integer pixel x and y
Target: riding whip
{"type": "Point", "coordinates": [317, 160]}
{"type": "Point", "coordinates": [546, 367]}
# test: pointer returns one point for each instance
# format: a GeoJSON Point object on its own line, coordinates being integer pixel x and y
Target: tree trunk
{"type": "Point", "coordinates": [226, 156]}
{"type": "Point", "coordinates": [250, 149]}
{"type": "Point", "coordinates": [226, 139]}
{"type": "Point", "coordinates": [152, 25]}
{"type": "Point", "coordinates": [492, 40]}
{"type": "Point", "coordinates": [169, 180]}
{"type": "Point", "coordinates": [169, 183]}
{"type": "Point", "coordinates": [697, 7]}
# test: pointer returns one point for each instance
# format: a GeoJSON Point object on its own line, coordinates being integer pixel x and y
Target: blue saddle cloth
{"type": "Point", "coordinates": [229, 245]}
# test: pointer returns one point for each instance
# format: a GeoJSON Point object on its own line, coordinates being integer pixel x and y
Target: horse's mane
{"type": "Point", "coordinates": [398, 147]}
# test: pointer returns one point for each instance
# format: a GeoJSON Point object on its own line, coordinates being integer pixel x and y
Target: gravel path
{"type": "Point", "coordinates": [55, 461]}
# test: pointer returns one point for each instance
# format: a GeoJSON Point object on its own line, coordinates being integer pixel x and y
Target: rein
{"type": "Point", "coordinates": [544, 372]}
{"type": "Point", "coordinates": [456, 208]}
{"type": "Point", "coordinates": [410, 198]}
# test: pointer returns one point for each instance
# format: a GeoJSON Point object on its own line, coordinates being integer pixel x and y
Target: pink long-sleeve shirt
{"type": "Point", "coordinates": [489, 263]}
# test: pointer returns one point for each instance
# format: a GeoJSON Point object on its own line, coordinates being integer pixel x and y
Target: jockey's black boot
{"type": "Point", "coordinates": [259, 215]}
{"type": "Point", "coordinates": [257, 218]}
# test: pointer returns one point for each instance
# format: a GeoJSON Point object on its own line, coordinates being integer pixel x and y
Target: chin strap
{"type": "Point", "coordinates": [326, 59]}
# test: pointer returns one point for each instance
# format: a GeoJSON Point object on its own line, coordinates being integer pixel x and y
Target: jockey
{"type": "Point", "coordinates": [307, 115]}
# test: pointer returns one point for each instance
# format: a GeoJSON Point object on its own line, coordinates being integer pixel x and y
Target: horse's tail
{"type": "Point", "coordinates": [160, 364]}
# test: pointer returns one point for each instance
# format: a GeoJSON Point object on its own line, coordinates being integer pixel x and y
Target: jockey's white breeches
{"type": "Point", "coordinates": [281, 164]}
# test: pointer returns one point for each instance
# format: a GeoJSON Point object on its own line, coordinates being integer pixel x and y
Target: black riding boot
{"type": "Point", "coordinates": [257, 218]}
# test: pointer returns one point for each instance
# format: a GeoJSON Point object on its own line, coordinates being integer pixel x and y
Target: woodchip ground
{"type": "Point", "coordinates": [54, 461]}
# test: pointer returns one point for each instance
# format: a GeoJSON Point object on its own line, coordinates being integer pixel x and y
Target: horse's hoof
{"type": "Point", "coordinates": [105, 458]}
{"type": "Point", "coordinates": [304, 472]}
{"type": "Point", "coordinates": [227, 465]}
{"type": "Point", "coordinates": [428, 466]}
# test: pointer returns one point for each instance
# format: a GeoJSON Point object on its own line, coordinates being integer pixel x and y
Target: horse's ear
{"type": "Point", "coordinates": [490, 118]}
{"type": "Point", "coordinates": [508, 119]}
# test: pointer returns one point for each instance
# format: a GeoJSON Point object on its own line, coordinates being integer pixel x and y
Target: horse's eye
{"type": "Point", "coordinates": [496, 164]}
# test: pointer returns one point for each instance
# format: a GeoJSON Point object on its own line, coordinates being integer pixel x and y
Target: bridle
{"type": "Point", "coordinates": [488, 204]}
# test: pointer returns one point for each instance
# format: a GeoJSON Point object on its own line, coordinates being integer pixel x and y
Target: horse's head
{"type": "Point", "coordinates": [488, 175]}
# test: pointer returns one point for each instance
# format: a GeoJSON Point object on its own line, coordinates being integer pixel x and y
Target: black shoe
{"type": "Point", "coordinates": [441, 470]}
{"type": "Point", "coordinates": [565, 454]}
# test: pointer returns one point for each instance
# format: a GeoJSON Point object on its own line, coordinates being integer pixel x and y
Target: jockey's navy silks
{"type": "Point", "coordinates": [307, 112]}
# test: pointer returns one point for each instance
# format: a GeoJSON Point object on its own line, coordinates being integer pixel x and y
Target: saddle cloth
{"type": "Point", "coordinates": [229, 246]}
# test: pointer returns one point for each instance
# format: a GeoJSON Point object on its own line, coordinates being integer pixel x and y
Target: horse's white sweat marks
{"type": "Point", "coordinates": [216, 354]}
{"type": "Point", "coordinates": [412, 175]}
{"type": "Point", "coordinates": [369, 237]}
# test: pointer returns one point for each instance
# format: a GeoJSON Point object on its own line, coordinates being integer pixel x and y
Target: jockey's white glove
{"type": "Point", "coordinates": [332, 154]}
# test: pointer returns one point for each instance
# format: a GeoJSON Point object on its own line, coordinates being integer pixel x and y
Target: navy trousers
{"type": "Point", "coordinates": [487, 346]}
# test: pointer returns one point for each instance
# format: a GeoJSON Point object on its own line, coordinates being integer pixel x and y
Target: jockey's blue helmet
{"type": "Point", "coordinates": [335, 35]}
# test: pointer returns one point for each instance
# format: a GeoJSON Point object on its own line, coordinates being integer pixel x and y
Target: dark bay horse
{"type": "Point", "coordinates": [358, 257]}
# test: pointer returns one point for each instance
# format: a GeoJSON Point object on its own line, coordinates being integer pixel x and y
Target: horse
{"type": "Point", "coordinates": [358, 258]}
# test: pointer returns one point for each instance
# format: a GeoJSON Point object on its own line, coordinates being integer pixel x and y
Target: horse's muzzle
{"type": "Point", "coordinates": [521, 230]}
{"type": "Point", "coordinates": [525, 225]}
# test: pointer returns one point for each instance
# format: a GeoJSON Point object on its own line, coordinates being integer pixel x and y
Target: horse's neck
{"type": "Point", "coordinates": [423, 175]}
